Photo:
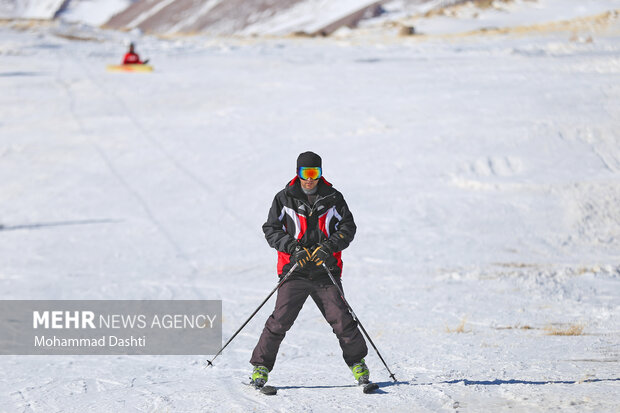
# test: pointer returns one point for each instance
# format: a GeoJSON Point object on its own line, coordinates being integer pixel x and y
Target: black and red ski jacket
{"type": "Point", "coordinates": [293, 221]}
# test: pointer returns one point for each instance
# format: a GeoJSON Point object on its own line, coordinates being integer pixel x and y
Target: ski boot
{"type": "Point", "coordinates": [259, 376]}
{"type": "Point", "coordinates": [361, 372]}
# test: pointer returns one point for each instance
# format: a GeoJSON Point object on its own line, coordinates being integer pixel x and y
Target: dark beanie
{"type": "Point", "coordinates": [308, 159]}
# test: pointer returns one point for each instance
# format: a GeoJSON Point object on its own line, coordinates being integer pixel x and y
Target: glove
{"type": "Point", "coordinates": [321, 253]}
{"type": "Point", "coordinates": [300, 255]}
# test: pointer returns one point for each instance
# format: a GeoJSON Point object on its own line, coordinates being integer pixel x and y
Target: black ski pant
{"type": "Point", "coordinates": [291, 297]}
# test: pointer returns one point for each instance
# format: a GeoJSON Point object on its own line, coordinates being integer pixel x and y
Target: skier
{"type": "Point", "coordinates": [309, 223]}
{"type": "Point", "coordinates": [132, 58]}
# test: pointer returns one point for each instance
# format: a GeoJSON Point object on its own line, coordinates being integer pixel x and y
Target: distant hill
{"type": "Point", "coordinates": [220, 17]}
{"type": "Point", "coordinates": [277, 17]}
{"type": "Point", "coordinates": [322, 17]}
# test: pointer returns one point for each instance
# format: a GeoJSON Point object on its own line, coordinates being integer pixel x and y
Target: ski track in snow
{"type": "Point", "coordinates": [134, 193]}
{"type": "Point", "coordinates": [234, 219]}
{"type": "Point", "coordinates": [485, 189]}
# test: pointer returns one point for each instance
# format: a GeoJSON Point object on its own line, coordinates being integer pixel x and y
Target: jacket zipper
{"type": "Point", "coordinates": [321, 235]}
{"type": "Point", "coordinates": [312, 208]}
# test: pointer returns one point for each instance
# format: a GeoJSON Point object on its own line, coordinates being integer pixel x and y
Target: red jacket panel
{"type": "Point", "coordinates": [132, 59]}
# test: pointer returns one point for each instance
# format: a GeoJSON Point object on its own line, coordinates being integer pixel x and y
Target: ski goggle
{"type": "Point", "coordinates": [309, 172]}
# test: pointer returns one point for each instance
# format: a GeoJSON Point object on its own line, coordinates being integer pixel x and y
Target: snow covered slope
{"type": "Point", "coordinates": [188, 16]}
{"type": "Point", "coordinates": [284, 17]}
{"type": "Point", "coordinates": [313, 17]}
{"type": "Point", "coordinates": [93, 12]}
{"type": "Point", "coordinates": [29, 9]}
{"type": "Point", "coordinates": [470, 16]}
{"type": "Point", "coordinates": [483, 173]}
{"type": "Point", "coordinates": [264, 17]}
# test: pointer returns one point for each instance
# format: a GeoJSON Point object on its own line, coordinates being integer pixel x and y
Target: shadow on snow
{"type": "Point", "coordinates": [498, 382]}
{"type": "Point", "coordinates": [379, 391]}
{"type": "Point", "coordinates": [40, 225]}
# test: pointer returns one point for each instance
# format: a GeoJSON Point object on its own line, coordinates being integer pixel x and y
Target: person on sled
{"type": "Point", "coordinates": [132, 58]}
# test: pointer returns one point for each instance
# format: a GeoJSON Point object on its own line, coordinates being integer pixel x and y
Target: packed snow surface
{"type": "Point", "coordinates": [483, 174]}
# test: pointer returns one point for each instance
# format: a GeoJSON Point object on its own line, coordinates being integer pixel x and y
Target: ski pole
{"type": "Point", "coordinates": [358, 321]}
{"type": "Point", "coordinates": [210, 362]}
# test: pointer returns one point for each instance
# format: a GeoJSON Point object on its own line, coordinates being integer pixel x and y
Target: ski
{"type": "Point", "coordinates": [266, 390]}
{"type": "Point", "coordinates": [370, 387]}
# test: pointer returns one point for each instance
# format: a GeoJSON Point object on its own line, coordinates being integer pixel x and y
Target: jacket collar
{"type": "Point", "coordinates": [294, 188]}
